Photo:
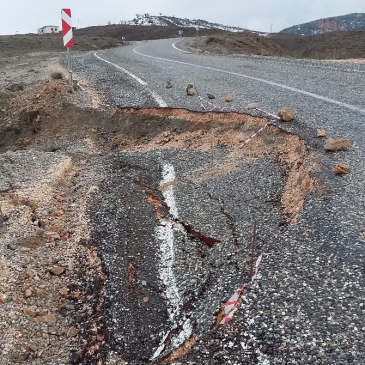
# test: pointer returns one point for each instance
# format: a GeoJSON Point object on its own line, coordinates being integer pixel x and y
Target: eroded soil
{"type": "Point", "coordinates": [51, 283]}
{"type": "Point", "coordinates": [51, 306]}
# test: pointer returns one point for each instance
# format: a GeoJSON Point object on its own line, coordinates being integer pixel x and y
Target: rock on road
{"type": "Point", "coordinates": [156, 215]}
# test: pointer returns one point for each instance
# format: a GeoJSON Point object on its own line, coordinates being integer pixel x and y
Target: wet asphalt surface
{"type": "Point", "coordinates": [175, 248]}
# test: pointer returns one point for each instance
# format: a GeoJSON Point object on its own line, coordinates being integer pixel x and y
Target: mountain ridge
{"type": "Point", "coordinates": [164, 20]}
{"type": "Point", "coordinates": [353, 21]}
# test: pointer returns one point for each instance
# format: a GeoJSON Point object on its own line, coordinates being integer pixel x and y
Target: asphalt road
{"type": "Point", "coordinates": [174, 243]}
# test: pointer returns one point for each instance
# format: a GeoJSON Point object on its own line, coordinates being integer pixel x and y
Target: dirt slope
{"type": "Point", "coordinates": [332, 45]}
{"type": "Point", "coordinates": [239, 43]}
{"type": "Point", "coordinates": [140, 32]}
{"type": "Point", "coordinates": [13, 45]}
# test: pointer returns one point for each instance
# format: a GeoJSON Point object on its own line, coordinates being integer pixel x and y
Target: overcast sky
{"type": "Point", "coordinates": [26, 16]}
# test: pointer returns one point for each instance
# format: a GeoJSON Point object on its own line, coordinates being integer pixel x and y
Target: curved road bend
{"type": "Point", "coordinates": [165, 283]}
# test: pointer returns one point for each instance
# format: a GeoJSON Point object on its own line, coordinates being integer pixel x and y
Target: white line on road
{"type": "Point", "coordinates": [161, 103]}
{"type": "Point", "coordinates": [294, 89]}
{"type": "Point", "coordinates": [165, 234]}
{"type": "Point", "coordinates": [179, 49]}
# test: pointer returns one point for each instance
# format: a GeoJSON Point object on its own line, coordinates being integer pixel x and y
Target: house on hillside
{"type": "Point", "coordinates": [47, 29]}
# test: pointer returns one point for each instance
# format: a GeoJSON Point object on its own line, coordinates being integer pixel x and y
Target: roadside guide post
{"type": "Point", "coordinates": [68, 40]}
{"type": "Point", "coordinates": [197, 30]}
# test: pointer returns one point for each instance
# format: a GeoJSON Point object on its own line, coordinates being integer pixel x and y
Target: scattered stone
{"type": "Point", "coordinates": [31, 274]}
{"type": "Point", "coordinates": [48, 318]}
{"type": "Point", "coordinates": [79, 317]}
{"type": "Point", "coordinates": [29, 311]}
{"type": "Point", "coordinates": [32, 347]}
{"type": "Point", "coordinates": [286, 115]}
{"type": "Point", "coordinates": [145, 299]}
{"type": "Point", "coordinates": [3, 298]}
{"type": "Point", "coordinates": [229, 97]}
{"type": "Point", "coordinates": [72, 331]}
{"type": "Point", "coordinates": [252, 106]}
{"type": "Point", "coordinates": [144, 282]}
{"type": "Point", "coordinates": [63, 291]}
{"type": "Point", "coordinates": [15, 87]}
{"type": "Point", "coordinates": [211, 96]}
{"type": "Point", "coordinates": [321, 133]}
{"type": "Point", "coordinates": [340, 144]}
{"type": "Point", "coordinates": [53, 234]}
{"type": "Point", "coordinates": [75, 357]}
{"type": "Point", "coordinates": [168, 84]}
{"type": "Point", "coordinates": [28, 293]}
{"type": "Point", "coordinates": [58, 270]}
{"type": "Point", "coordinates": [27, 356]}
{"type": "Point", "coordinates": [341, 169]}
{"type": "Point", "coordinates": [190, 90]}
{"type": "Point", "coordinates": [11, 246]}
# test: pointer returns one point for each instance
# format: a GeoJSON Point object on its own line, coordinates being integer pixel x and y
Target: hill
{"type": "Point", "coordinates": [239, 43]}
{"type": "Point", "coordinates": [332, 45]}
{"type": "Point", "coordinates": [354, 21]}
{"type": "Point", "coordinates": [142, 32]}
{"type": "Point", "coordinates": [162, 20]}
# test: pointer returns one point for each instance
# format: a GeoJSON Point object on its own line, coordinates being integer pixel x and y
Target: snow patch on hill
{"type": "Point", "coordinates": [354, 21]}
{"type": "Point", "coordinates": [162, 20]}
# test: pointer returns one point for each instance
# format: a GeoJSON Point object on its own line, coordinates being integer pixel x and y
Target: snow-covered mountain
{"type": "Point", "coordinates": [162, 20]}
{"type": "Point", "coordinates": [354, 21]}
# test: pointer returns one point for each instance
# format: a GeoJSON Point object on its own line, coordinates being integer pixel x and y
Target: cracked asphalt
{"type": "Point", "coordinates": [308, 307]}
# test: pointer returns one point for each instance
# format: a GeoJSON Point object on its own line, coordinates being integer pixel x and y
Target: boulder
{"type": "Point", "coordinates": [58, 270]}
{"type": "Point", "coordinates": [190, 90]}
{"type": "Point", "coordinates": [286, 115]}
{"type": "Point", "coordinates": [321, 133]}
{"type": "Point", "coordinates": [341, 169]}
{"type": "Point", "coordinates": [229, 97]}
{"type": "Point", "coordinates": [210, 96]}
{"type": "Point", "coordinates": [339, 144]}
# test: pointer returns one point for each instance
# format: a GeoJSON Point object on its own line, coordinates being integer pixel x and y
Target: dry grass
{"type": "Point", "coordinates": [239, 43]}
{"type": "Point", "coordinates": [57, 72]}
{"type": "Point", "coordinates": [57, 75]}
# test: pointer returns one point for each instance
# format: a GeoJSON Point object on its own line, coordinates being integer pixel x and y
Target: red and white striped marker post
{"type": "Point", "coordinates": [68, 40]}
{"type": "Point", "coordinates": [232, 305]}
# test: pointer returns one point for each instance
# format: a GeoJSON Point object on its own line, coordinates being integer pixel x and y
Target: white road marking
{"type": "Point", "coordinates": [179, 49]}
{"type": "Point", "coordinates": [293, 89]}
{"type": "Point", "coordinates": [168, 177]}
{"type": "Point", "coordinates": [165, 234]}
{"type": "Point", "coordinates": [161, 103]}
